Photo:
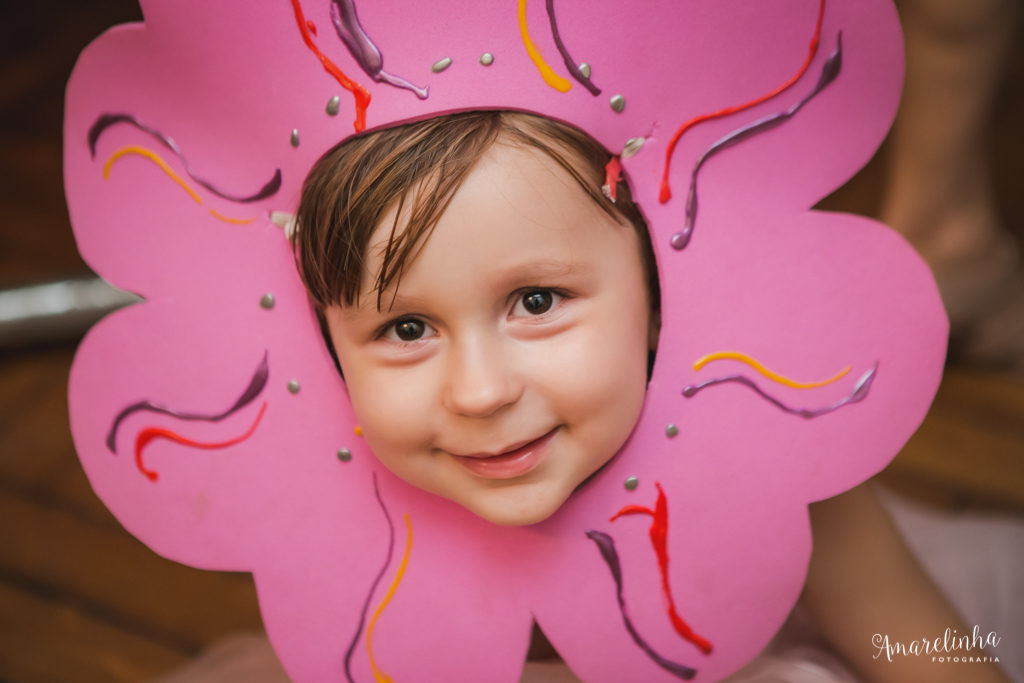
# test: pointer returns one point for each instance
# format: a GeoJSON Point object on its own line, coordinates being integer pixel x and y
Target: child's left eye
{"type": "Point", "coordinates": [535, 302]}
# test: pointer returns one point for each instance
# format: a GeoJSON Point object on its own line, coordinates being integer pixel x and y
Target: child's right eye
{"type": "Point", "coordinates": [407, 330]}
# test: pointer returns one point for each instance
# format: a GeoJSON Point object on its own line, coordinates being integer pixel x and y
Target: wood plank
{"type": "Point", "coordinates": [47, 641]}
{"type": "Point", "coordinates": [26, 377]}
{"type": "Point", "coordinates": [111, 573]}
{"type": "Point", "coordinates": [37, 456]}
{"type": "Point", "coordinates": [970, 449]}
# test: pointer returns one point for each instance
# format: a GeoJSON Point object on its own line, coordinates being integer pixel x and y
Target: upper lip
{"type": "Point", "coordinates": [504, 451]}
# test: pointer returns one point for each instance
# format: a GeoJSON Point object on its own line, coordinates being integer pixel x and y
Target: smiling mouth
{"type": "Point", "coordinates": [508, 464]}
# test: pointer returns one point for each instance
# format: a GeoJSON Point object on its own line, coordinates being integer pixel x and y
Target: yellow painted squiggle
{"type": "Point", "coordinates": [744, 358]}
{"type": "Point", "coordinates": [229, 219]}
{"type": "Point", "coordinates": [156, 159]}
{"type": "Point", "coordinates": [379, 675]}
{"type": "Point", "coordinates": [546, 72]}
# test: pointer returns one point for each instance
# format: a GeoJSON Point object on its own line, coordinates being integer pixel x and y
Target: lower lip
{"type": "Point", "coordinates": [509, 465]}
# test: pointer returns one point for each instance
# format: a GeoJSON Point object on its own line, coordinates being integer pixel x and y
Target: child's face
{"type": "Point", "coordinates": [512, 363]}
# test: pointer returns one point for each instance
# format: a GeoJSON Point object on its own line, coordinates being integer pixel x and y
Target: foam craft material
{"type": "Point", "coordinates": [361, 577]}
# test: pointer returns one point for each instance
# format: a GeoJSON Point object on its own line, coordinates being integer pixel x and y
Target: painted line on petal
{"type": "Point", "coordinates": [829, 72]}
{"type": "Point", "coordinates": [859, 393]}
{"type": "Point", "coordinates": [659, 541]}
{"type": "Point", "coordinates": [570, 63]}
{"type": "Point", "coordinates": [546, 72]}
{"type": "Point", "coordinates": [359, 93]}
{"type": "Point", "coordinates": [666, 190]}
{"type": "Point", "coordinates": [150, 433]}
{"type": "Point", "coordinates": [373, 586]}
{"type": "Point", "coordinates": [158, 160]}
{"type": "Point", "coordinates": [105, 121]}
{"type": "Point", "coordinates": [254, 389]}
{"type": "Point", "coordinates": [363, 50]}
{"type": "Point", "coordinates": [155, 158]}
{"type": "Point", "coordinates": [379, 675]}
{"type": "Point", "coordinates": [770, 374]}
{"type": "Point", "coordinates": [230, 219]}
{"type": "Point", "coordinates": [610, 555]}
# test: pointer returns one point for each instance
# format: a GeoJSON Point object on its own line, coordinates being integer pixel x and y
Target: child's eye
{"type": "Point", "coordinates": [407, 330]}
{"type": "Point", "coordinates": [535, 302]}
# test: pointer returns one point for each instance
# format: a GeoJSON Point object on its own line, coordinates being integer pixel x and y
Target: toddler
{"type": "Point", "coordinates": [491, 310]}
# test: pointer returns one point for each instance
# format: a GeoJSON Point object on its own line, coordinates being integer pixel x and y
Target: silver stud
{"type": "Point", "coordinates": [631, 483]}
{"type": "Point", "coordinates": [294, 386]}
{"type": "Point", "coordinates": [441, 64]}
{"type": "Point", "coordinates": [267, 301]}
{"type": "Point", "coordinates": [333, 105]}
{"type": "Point", "coordinates": [618, 102]}
{"type": "Point", "coordinates": [633, 146]}
{"type": "Point", "coordinates": [585, 70]}
{"type": "Point", "coordinates": [487, 59]}
{"type": "Point", "coordinates": [344, 454]}
{"type": "Point", "coordinates": [295, 137]}
{"type": "Point", "coordinates": [671, 431]}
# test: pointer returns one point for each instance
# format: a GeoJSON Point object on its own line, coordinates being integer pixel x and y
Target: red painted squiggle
{"type": "Point", "coordinates": [659, 539]}
{"type": "Point", "coordinates": [612, 174]}
{"type": "Point", "coordinates": [360, 93]}
{"type": "Point", "coordinates": [666, 190]}
{"type": "Point", "coordinates": [151, 433]}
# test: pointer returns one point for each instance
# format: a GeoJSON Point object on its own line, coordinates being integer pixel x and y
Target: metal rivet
{"type": "Point", "coordinates": [441, 64]}
{"type": "Point", "coordinates": [633, 146]}
{"type": "Point", "coordinates": [487, 59]}
{"type": "Point", "coordinates": [295, 137]}
{"type": "Point", "coordinates": [294, 386]}
{"type": "Point", "coordinates": [585, 70]}
{"type": "Point", "coordinates": [618, 102]}
{"type": "Point", "coordinates": [267, 301]}
{"type": "Point", "coordinates": [631, 483]}
{"type": "Point", "coordinates": [344, 454]}
{"type": "Point", "coordinates": [671, 430]}
{"type": "Point", "coordinates": [333, 105]}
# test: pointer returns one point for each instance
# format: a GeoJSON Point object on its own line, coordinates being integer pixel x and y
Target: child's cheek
{"type": "Point", "coordinates": [589, 371]}
{"type": "Point", "coordinates": [394, 406]}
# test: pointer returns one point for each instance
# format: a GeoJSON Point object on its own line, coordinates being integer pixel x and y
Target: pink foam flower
{"type": "Point", "coordinates": [798, 351]}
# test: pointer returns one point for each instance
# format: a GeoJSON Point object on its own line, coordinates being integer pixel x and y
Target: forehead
{"type": "Point", "coordinates": [517, 207]}
{"type": "Point", "coordinates": [512, 190]}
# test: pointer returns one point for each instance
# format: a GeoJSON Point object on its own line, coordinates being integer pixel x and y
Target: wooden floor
{"type": "Point", "coordinates": [81, 600]}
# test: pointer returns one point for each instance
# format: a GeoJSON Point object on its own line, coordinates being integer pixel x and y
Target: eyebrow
{"type": "Point", "coordinates": [524, 273]}
{"type": "Point", "coordinates": [538, 272]}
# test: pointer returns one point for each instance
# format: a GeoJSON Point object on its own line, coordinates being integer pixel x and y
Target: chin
{"type": "Point", "coordinates": [508, 508]}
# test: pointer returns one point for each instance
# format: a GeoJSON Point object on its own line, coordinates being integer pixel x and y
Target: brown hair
{"type": "Point", "coordinates": [352, 186]}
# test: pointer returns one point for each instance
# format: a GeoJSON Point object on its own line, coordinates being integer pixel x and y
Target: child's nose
{"type": "Point", "coordinates": [480, 379]}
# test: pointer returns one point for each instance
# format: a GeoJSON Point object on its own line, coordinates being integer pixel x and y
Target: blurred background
{"type": "Point", "coordinates": [81, 600]}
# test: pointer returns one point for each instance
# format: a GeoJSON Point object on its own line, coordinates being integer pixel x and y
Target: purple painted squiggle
{"type": "Point", "coordinates": [570, 63]}
{"type": "Point", "coordinates": [256, 385]}
{"type": "Point", "coordinates": [346, 23]}
{"type": "Point", "coordinates": [829, 70]}
{"type": "Point", "coordinates": [105, 121]}
{"type": "Point", "coordinates": [611, 557]}
{"type": "Point", "coordinates": [859, 393]}
{"type": "Point", "coordinates": [373, 586]}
